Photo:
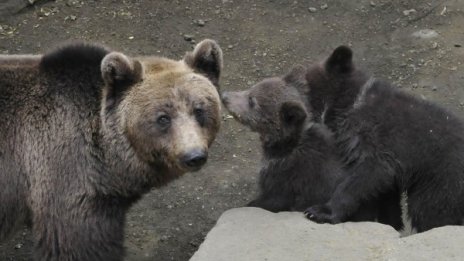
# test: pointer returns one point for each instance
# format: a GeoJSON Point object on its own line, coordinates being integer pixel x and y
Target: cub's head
{"type": "Point", "coordinates": [337, 66]}
{"type": "Point", "coordinates": [336, 79]}
{"type": "Point", "coordinates": [273, 108]}
{"type": "Point", "coordinates": [168, 111]}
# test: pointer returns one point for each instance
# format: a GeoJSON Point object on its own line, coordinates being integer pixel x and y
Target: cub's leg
{"type": "Point", "coordinates": [366, 182]}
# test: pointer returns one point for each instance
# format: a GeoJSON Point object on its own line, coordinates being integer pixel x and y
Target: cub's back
{"type": "Point", "coordinates": [407, 125]}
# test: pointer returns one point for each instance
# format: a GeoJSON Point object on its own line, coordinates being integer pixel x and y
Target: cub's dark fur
{"type": "Point", "coordinates": [298, 176]}
{"type": "Point", "coordinates": [389, 141]}
{"type": "Point", "coordinates": [300, 166]}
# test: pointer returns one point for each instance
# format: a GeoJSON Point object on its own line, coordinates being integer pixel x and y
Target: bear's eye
{"type": "Point", "coordinates": [199, 115]}
{"type": "Point", "coordinates": [251, 102]}
{"type": "Point", "coordinates": [198, 112]}
{"type": "Point", "coordinates": [163, 120]}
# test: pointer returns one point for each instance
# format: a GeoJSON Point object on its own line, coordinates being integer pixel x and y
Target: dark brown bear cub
{"type": "Point", "coordinates": [300, 167]}
{"type": "Point", "coordinates": [389, 140]}
{"type": "Point", "coordinates": [86, 132]}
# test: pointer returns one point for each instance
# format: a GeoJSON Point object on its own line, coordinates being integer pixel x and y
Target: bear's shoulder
{"type": "Point", "coordinates": [74, 55]}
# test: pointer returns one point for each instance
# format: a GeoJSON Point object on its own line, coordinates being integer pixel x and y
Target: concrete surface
{"type": "Point", "coordinates": [255, 234]}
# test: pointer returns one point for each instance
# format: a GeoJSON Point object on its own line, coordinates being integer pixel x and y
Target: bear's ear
{"type": "Point", "coordinates": [297, 77]}
{"type": "Point", "coordinates": [206, 59]}
{"type": "Point", "coordinates": [341, 60]}
{"type": "Point", "coordinates": [119, 72]}
{"type": "Point", "coordinates": [292, 115]}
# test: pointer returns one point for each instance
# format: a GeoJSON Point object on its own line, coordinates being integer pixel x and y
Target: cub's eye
{"type": "Point", "coordinates": [251, 102]}
{"type": "Point", "coordinates": [163, 120]}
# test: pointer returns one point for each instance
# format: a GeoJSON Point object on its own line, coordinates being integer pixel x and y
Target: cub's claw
{"type": "Point", "coordinates": [321, 214]}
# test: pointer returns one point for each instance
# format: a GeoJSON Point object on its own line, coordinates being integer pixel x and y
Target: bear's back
{"type": "Point", "coordinates": [75, 65]}
{"type": "Point", "coordinates": [69, 74]}
{"type": "Point", "coordinates": [49, 100]}
{"type": "Point", "coordinates": [19, 80]}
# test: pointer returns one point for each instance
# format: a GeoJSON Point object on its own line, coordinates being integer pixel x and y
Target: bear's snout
{"type": "Point", "coordinates": [194, 159]}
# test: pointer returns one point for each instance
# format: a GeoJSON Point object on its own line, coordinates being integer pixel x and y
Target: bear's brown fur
{"type": "Point", "coordinates": [86, 131]}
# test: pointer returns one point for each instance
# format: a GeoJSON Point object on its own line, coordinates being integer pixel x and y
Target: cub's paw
{"type": "Point", "coordinates": [321, 214]}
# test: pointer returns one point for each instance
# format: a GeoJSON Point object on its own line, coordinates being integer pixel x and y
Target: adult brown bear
{"type": "Point", "coordinates": [86, 132]}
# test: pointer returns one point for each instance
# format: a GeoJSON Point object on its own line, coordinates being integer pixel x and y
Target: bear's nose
{"type": "Point", "coordinates": [194, 159]}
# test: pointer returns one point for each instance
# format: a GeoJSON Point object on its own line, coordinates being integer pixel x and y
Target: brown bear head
{"type": "Point", "coordinates": [273, 108]}
{"type": "Point", "coordinates": [167, 110]}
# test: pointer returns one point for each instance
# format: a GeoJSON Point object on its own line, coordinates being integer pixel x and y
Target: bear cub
{"type": "Point", "coordinates": [300, 166]}
{"type": "Point", "coordinates": [389, 141]}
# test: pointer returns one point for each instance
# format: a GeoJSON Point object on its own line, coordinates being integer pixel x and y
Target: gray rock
{"type": "Point", "coordinates": [200, 22]}
{"type": "Point", "coordinates": [444, 243]}
{"type": "Point", "coordinates": [425, 34]}
{"type": "Point", "coordinates": [312, 9]}
{"type": "Point", "coordinates": [256, 234]}
{"type": "Point", "coordinates": [188, 37]}
{"type": "Point", "coordinates": [410, 11]}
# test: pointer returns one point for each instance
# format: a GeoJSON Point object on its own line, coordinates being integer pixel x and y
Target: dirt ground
{"type": "Point", "coordinates": [414, 44]}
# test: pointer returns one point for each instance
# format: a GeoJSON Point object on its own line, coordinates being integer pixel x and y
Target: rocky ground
{"type": "Point", "coordinates": [417, 45]}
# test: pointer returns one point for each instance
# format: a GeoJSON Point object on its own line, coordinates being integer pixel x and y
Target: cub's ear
{"type": "Point", "coordinates": [292, 115]}
{"type": "Point", "coordinates": [119, 72]}
{"type": "Point", "coordinates": [341, 60]}
{"type": "Point", "coordinates": [206, 59]}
